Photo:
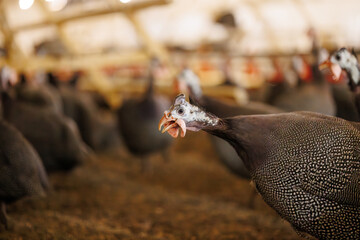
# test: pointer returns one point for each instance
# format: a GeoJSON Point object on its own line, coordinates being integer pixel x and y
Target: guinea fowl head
{"type": "Point", "coordinates": [344, 58]}
{"type": "Point", "coordinates": [187, 81]}
{"type": "Point", "coordinates": [183, 116]}
{"type": "Point", "coordinates": [341, 59]}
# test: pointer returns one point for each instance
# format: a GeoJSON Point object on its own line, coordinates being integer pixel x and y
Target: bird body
{"type": "Point", "coordinates": [78, 106]}
{"type": "Point", "coordinates": [313, 181]}
{"type": "Point", "coordinates": [137, 121]}
{"type": "Point", "coordinates": [345, 104]}
{"type": "Point", "coordinates": [311, 95]}
{"type": "Point", "coordinates": [305, 165]}
{"type": "Point", "coordinates": [43, 95]}
{"type": "Point", "coordinates": [97, 126]}
{"type": "Point", "coordinates": [137, 118]}
{"type": "Point", "coordinates": [55, 137]}
{"type": "Point", "coordinates": [21, 170]}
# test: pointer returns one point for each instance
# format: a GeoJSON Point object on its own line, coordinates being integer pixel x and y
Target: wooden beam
{"type": "Point", "coordinates": [68, 42]}
{"type": "Point", "coordinates": [83, 62]}
{"type": "Point", "coordinates": [121, 8]}
{"type": "Point", "coordinates": [153, 48]}
{"type": "Point", "coordinates": [14, 52]}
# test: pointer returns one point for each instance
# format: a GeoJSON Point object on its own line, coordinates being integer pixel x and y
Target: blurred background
{"type": "Point", "coordinates": [112, 67]}
{"type": "Point", "coordinates": [115, 38]}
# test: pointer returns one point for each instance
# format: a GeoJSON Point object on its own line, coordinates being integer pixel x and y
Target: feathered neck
{"type": "Point", "coordinates": [193, 83]}
{"type": "Point", "coordinates": [195, 90]}
{"type": "Point", "coordinates": [150, 87]}
{"type": "Point", "coordinates": [201, 119]}
{"type": "Point", "coordinates": [354, 74]}
{"type": "Point", "coordinates": [245, 135]}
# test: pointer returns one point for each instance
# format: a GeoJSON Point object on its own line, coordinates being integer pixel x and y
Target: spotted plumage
{"type": "Point", "coordinates": [305, 165]}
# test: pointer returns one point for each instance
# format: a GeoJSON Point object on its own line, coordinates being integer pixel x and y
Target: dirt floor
{"type": "Point", "coordinates": [191, 197]}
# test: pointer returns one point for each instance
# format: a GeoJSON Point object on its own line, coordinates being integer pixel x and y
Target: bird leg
{"type": "Point", "coordinates": [3, 217]}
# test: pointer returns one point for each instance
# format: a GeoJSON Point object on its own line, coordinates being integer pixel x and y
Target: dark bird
{"type": "Point", "coordinates": [305, 165]}
{"type": "Point", "coordinates": [76, 107]}
{"type": "Point", "coordinates": [55, 137]}
{"type": "Point", "coordinates": [137, 118]}
{"type": "Point", "coordinates": [349, 63]}
{"type": "Point", "coordinates": [97, 126]}
{"type": "Point", "coordinates": [106, 128]}
{"type": "Point", "coordinates": [312, 93]}
{"type": "Point", "coordinates": [40, 94]}
{"type": "Point", "coordinates": [21, 170]}
{"type": "Point", "coordinates": [344, 100]}
{"type": "Point", "coordinates": [189, 82]}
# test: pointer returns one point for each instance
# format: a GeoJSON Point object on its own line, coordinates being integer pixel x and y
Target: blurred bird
{"type": "Point", "coordinates": [96, 123]}
{"type": "Point", "coordinates": [345, 105]}
{"type": "Point", "coordinates": [21, 170]}
{"type": "Point", "coordinates": [312, 93]}
{"type": "Point", "coordinates": [348, 62]}
{"type": "Point", "coordinates": [39, 93]}
{"type": "Point", "coordinates": [55, 137]}
{"type": "Point", "coordinates": [137, 118]}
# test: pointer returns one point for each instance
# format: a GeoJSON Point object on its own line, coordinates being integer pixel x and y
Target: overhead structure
{"type": "Point", "coordinates": [91, 63]}
{"type": "Point", "coordinates": [77, 60]}
{"type": "Point", "coordinates": [102, 33]}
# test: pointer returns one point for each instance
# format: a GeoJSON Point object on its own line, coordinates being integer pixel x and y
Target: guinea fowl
{"type": "Point", "coordinates": [312, 93]}
{"type": "Point", "coordinates": [305, 165]}
{"type": "Point", "coordinates": [345, 105]}
{"type": "Point", "coordinates": [39, 94]}
{"type": "Point", "coordinates": [106, 129]}
{"type": "Point", "coordinates": [21, 170]}
{"type": "Point", "coordinates": [96, 125]}
{"type": "Point", "coordinates": [76, 107]}
{"type": "Point", "coordinates": [55, 137]}
{"type": "Point", "coordinates": [137, 118]}
{"type": "Point", "coordinates": [348, 62]}
{"type": "Point", "coordinates": [188, 81]}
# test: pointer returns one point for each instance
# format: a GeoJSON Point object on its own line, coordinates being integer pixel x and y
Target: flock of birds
{"type": "Point", "coordinates": [46, 128]}
{"type": "Point", "coordinates": [306, 165]}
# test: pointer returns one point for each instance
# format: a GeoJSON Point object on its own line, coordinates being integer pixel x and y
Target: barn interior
{"type": "Point", "coordinates": [79, 77]}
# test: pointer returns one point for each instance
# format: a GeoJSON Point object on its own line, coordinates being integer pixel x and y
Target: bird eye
{"type": "Point", "coordinates": [338, 57]}
{"type": "Point", "coordinates": [180, 111]}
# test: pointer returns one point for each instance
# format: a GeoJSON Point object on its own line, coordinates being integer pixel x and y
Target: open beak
{"type": "Point", "coordinates": [330, 68]}
{"type": "Point", "coordinates": [172, 125]}
{"type": "Point", "coordinates": [325, 65]}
